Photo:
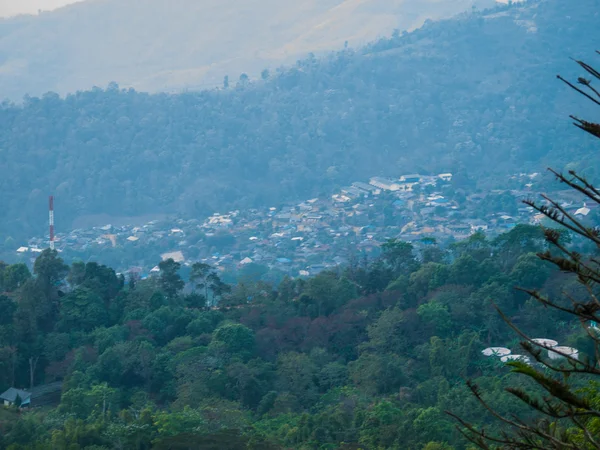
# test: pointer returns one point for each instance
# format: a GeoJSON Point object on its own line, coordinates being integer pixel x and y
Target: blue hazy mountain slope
{"type": "Point", "coordinates": [474, 95]}
{"type": "Point", "coordinates": [163, 45]}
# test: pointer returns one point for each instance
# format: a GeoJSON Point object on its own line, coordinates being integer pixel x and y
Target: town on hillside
{"type": "Point", "coordinates": [303, 239]}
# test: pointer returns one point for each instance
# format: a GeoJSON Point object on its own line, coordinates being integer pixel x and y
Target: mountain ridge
{"type": "Point", "coordinates": [475, 95]}
{"type": "Point", "coordinates": [158, 45]}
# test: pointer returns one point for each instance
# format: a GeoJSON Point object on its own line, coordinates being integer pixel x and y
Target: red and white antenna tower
{"type": "Point", "coordinates": [51, 221]}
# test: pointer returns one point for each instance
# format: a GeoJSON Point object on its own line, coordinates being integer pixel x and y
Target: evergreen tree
{"type": "Point", "coordinates": [568, 382]}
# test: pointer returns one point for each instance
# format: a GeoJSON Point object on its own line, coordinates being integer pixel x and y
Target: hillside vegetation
{"type": "Point", "coordinates": [472, 95]}
{"type": "Point", "coordinates": [367, 358]}
{"type": "Point", "coordinates": [162, 45]}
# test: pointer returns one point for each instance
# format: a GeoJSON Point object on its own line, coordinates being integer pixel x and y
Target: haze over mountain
{"type": "Point", "coordinates": [467, 95]}
{"type": "Point", "coordinates": [167, 45]}
{"type": "Point", "coordinates": [15, 7]}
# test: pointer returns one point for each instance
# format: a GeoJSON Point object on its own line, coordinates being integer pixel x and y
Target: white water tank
{"type": "Point", "coordinates": [559, 352]}
{"type": "Point", "coordinates": [496, 351]}
{"type": "Point", "coordinates": [521, 358]}
{"type": "Point", "coordinates": [548, 343]}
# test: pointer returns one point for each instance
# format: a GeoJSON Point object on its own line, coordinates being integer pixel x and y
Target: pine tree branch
{"type": "Point", "coordinates": [588, 68]}
{"type": "Point", "coordinates": [581, 91]}
{"type": "Point", "coordinates": [588, 190]}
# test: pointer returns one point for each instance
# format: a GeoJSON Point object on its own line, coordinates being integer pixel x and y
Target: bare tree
{"type": "Point", "coordinates": [570, 415]}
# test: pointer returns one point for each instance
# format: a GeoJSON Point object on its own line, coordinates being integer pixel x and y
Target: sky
{"type": "Point", "coordinates": [13, 7]}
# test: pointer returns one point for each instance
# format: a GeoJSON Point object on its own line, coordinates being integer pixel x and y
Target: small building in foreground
{"type": "Point", "coordinates": [13, 396]}
{"type": "Point", "coordinates": [43, 395]}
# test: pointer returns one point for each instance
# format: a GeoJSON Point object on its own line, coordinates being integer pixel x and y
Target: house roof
{"type": "Point", "coordinates": [175, 256]}
{"type": "Point", "coordinates": [582, 211]}
{"type": "Point", "coordinates": [382, 180]}
{"type": "Point", "coordinates": [364, 186]}
{"type": "Point", "coordinates": [12, 393]}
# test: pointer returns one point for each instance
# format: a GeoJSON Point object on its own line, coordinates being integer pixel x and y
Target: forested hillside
{"type": "Point", "coordinates": [365, 358]}
{"type": "Point", "coordinates": [162, 45]}
{"type": "Point", "coordinates": [474, 96]}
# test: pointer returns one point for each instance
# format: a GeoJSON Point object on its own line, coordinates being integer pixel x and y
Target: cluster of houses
{"type": "Point", "coordinates": [305, 238]}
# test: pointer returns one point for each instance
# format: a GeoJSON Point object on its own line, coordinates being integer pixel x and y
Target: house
{"type": "Point", "coordinates": [47, 394]}
{"type": "Point", "coordinates": [305, 206]}
{"type": "Point", "coordinates": [408, 181]}
{"type": "Point", "coordinates": [340, 198]}
{"type": "Point", "coordinates": [353, 191]}
{"type": "Point", "coordinates": [412, 178]}
{"type": "Point", "coordinates": [222, 221]}
{"type": "Point", "coordinates": [384, 183]}
{"type": "Point", "coordinates": [175, 256]}
{"type": "Point", "coordinates": [10, 396]}
{"type": "Point", "coordinates": [478, 225]}
{"type": "Point", "coordinates": [313, 218]}
{"type": "Point", "coordinates": [367, 188]}
{"type": "Point", "coordinates": [583, 211]}
{"type": "Point", "coordinates": [445, 177]}
{"type": "Point", "coordinates": [437, 200]}
{"type": "Point", "coordinates": [282, 219]}
{"type": "Point", "coordinates": [110, 237]}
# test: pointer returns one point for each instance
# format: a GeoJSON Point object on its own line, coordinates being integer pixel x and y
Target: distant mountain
{"type": "Point", "coordinates": [170, 45]}
{"type": "Point", "coordinates": [475, 95]}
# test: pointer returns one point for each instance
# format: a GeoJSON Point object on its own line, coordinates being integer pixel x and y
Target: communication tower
{"type": "Point", "coordinates": [51, 220]}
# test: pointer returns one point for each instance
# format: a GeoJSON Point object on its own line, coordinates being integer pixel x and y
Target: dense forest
{"type": "Point", "coordinates": [469, 95]}
{"type": "Point", "coordinates": [368, 357]}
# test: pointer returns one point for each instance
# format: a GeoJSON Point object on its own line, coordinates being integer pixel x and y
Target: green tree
{"type": "Point", "coordinates": [296, 374]}
{"type": "Point", "coordinates": [217, 287]}
{"type": "Point", "coordinates": [170, 281]}
{"type": "Point", "coordinates": [50, 270]}
{"type": "Point", "coordinates": [567, 396]}
{"type": "Point", "coordinates": [436, 314]}
{"type": "Point", "coordinates": [198, 277]}
{"type": "Point", "coordinates": [76, 274]}
{"type": "Point", "coordinates": [8, 308]}
{"type": "Point", "coordinates": [236, 337]}
{"type": "Point", "coordinates": [387, 333]}
{"type": "Point", "coordinates": [399, 256]}
{"type": "Point", "coordinates": [82, 309]}
{"type": "Point", "coordinates": [15, 275]}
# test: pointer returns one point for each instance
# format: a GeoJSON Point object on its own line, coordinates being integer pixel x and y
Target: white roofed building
{"type": "Point", "coordinates": [175, 256]}
{"type": "Point", "coordinates": [384, 183]}
{"type": "Point", "coordinates": [583, 211]}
